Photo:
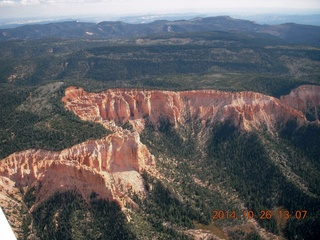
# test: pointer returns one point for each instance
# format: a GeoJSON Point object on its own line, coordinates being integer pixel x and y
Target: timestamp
{"type": "Point", "coordinates": [263, 214]}
{"type": "Point", "coordinates": [221, 214]}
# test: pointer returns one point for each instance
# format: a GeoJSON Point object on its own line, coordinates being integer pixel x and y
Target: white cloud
{"type": "Point", "coordinates": [170, 3]}
{"type": "Point", "coordinates": [35, 2]}
{"type": "Point", "coordinates": [7, 3]}
{"type": "Point", "coordinates": [30, 2]}
{"type": "Point", "coordinates": [27, 8]}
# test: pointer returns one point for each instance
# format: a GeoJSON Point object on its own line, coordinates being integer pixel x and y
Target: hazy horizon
{"type": "Point", "coordinates": [15, 9]}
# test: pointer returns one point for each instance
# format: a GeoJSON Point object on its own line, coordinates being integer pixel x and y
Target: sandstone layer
{"type": "Point", "coordinates": [113, 108]}
{"type": "Point", "coordinates": [305, 98]}
{"type": "Point", "coordinates": [110, 167]}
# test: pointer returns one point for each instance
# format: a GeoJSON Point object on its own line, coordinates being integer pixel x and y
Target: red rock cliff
{"type": "Point", "coordinates": [114, 107]}
{"type": "Point", "coordinates": [110, 167]}
{"type": "Point", "coordinates": [305, 98]}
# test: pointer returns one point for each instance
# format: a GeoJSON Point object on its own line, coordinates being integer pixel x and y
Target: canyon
{"type": "Point", "coordinates": [112, 166]}
{"type": "Point", "coordinates": [143, 136]}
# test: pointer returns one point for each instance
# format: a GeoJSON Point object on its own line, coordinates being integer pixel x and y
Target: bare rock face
{"type": "Point", "coordinates": [305, 98]}
{"type": "Point", "coordinates": [115, 107]}
{"type": "Point", "coordinates": [110, 167]}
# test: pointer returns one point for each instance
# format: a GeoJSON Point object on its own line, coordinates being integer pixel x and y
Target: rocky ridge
{"type": "Point", "coordinates": [305, 98]}
{"type": "Point", "coordinates": [247, 110]}
{"type": "Point", "coordinates": [100, 165]}
{"type": "Point", "coordinates": [112, 166]}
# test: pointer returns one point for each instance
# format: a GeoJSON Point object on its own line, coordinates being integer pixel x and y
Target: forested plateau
{"type": "Point", "coordinates": [188, 135]}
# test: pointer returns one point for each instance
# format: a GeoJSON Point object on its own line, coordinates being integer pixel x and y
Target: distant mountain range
{"type": "Point", "coordinates": [313, 19]}
{"type": "Point", "coordinates": [205, 128]}
{"type": "Point", "coordinates": [294, 33]}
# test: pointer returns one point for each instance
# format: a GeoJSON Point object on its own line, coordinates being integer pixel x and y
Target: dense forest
{"type": "Point", "coordinates": [51, 128]}
{"type": "Point", "coordinates": [243, 161]}
{"type": "Point", "coordinates": [67, 216]}
{"type": "Point", "coordinates": [204, 168]}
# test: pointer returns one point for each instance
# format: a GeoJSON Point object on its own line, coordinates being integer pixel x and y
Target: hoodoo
{"type": "Point", "coordinates": [306, 99]}
{"type": "Point", "coordinates": [109, 167]}
{"type": "Point", "coordinates": [115, 107]}
{"type": "Point", "coordinates": [116, 160]}
{"type": "Point", "coordinates": [112, 166]}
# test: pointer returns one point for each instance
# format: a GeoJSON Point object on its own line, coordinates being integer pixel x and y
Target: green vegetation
{"type": "Point", "coordinates": [226, 61]}
{"type": "Point", "coordinates": [217, 168]}
{"type": "Point", "coordinates": [194, 182]}
{"type": "Point", "coordinates": [53, 129]}
{"type": "Point", "coordinates": [247, 165]}
{"type": "Point", "coordinates": [67, 216]}
{"type": "Point", "coordinates": [239, 162]}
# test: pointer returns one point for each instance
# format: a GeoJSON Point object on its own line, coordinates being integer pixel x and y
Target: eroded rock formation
{"type": "Point", "coordinates": [115, 107]}
{"type": "Point", "coordinates": [110, 167]}
{"type": "Point", "coordinates": [305, 98]}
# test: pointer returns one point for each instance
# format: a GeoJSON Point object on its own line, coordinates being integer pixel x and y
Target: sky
{"type": "Point", "coordinates": [54, 8]}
